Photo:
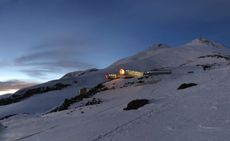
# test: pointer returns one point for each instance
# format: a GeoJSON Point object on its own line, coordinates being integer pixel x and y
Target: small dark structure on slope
{"type": "Point", "coordinates": [83, 91]}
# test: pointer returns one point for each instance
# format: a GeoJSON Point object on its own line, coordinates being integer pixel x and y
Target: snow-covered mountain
{"type": "Point", "coordinates": [161, 55]}
{"type": "Point", "coordinates": [196, 110]}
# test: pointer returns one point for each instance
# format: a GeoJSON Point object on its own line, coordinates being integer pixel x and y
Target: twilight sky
{"type": "Point", "coordinates": [41, 40]}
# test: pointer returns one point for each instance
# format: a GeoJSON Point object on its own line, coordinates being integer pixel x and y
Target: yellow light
{"type": "Point", "coordinates": [122, 71]}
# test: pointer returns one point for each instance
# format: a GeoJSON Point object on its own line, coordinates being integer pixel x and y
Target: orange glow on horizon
{"type": "Point", "coordinates": [8, 91]}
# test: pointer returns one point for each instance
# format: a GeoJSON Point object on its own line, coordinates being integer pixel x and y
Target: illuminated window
{"type": "Point", "coordinates": [122, 71]}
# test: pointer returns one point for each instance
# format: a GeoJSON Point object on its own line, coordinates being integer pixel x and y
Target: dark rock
{"type": "Point", "coordinates": [186, 85]}
{"type": "Point", "coordinates": [135, 104]}
{"type": "Point", "coordinates": [94, 101]}
{"type": "Point", "coordinates": [6, 117]}
{"type": "Point", "coordinates": [216, 56]}
{"type": "Point", "coordinates": [191, 72]}
{"type": "Point", "coordinates": [206, 66]}
{"type": "Point", "coordinates": [140, 81]}
{"type": "Point", "coordinates": [78, 98]}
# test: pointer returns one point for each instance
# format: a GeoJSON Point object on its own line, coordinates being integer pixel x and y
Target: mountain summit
{"type": "Point", "coordinates": [204, 42]}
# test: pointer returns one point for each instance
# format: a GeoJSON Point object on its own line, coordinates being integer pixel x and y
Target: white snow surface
{"type": "Point", "coordinates": [198, 113]}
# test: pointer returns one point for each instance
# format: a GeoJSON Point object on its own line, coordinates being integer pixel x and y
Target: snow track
{"type": "Point", "coordinates": [28, 136]}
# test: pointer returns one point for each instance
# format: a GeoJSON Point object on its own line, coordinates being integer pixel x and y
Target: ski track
{"type": "Point", "coordinates": [28, 136]}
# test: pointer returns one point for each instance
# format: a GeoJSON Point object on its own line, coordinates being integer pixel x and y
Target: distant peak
{"type": "Point", "coordinates": [204, 42]}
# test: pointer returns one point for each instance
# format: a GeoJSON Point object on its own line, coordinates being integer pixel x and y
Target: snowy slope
{"type": "Point", "coordinates": [196, 113]}
{"type": "Point", "coordinates": [158, 56]}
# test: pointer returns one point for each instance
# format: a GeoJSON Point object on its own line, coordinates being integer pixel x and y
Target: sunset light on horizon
{"type": "Point", "coordinates": [8, 91]}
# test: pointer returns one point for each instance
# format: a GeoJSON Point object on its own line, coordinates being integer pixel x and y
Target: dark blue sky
{"type": "Point", "coordinates": [43, 39]}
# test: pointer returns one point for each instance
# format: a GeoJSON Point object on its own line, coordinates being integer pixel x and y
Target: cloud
{"type": "Point", "coordinates": [42, 69]}
{"type": "Point", "coordinates": [36, 73]}
{"type": "Point", "coordinates": [14, 84]}
{"type": "Point", "coordinates": [54, 57]}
